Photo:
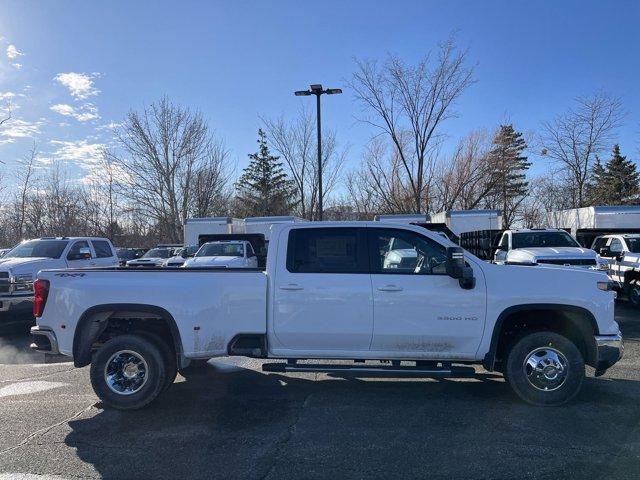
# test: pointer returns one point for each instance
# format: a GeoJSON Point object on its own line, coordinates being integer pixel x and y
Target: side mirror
{"type": "Point", "coordinates": [457, 268]}
{"type": "Point", "coordinates": [604, 252]}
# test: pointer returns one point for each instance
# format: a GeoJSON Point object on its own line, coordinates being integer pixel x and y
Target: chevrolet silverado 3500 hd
{"type": "Point", "coordinates": [335, 291]}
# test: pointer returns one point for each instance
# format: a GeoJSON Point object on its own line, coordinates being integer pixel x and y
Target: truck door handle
{"type": "Point", "coordinates": [291, 286]}
{"type": "Point", "coordinates": [390, 288]}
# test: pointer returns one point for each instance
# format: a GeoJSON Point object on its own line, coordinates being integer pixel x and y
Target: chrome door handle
{"type": "Point", "coordinates": [390, 288]}
{"type": "Point", "coordinates": [291, 286]}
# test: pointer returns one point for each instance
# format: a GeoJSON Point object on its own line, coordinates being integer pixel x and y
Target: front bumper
{"type": "Point", "coordinates": [609, 349]}
{"type": "Point", "coordinates": [44, 340]}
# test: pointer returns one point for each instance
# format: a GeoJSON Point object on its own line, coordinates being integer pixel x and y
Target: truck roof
{"type": "Point", "coordinates": [532, 230]}
{"type": "Point", "coordinates": [69, 238]}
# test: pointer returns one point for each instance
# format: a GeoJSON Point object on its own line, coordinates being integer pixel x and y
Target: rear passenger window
{"type": "Point", "coordinates": [327, 250]}
{"type": "Point", "coordinates": [102, 248]}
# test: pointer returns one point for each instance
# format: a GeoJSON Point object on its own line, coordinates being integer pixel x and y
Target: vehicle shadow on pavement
{"type": "Point", "coordinates": [231, 422]}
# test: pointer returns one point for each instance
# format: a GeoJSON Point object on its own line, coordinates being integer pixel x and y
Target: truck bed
{"type": "Point", "coordinates": [209, 306]}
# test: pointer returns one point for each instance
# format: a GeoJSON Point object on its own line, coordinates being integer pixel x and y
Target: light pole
{"type": "Point", "coordinates": [317, 90]}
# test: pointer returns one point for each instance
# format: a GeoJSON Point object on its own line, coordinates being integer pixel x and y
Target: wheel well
{"type": "Point", "coordinates": [575, 324]}
{"type": "Point", "coordinates": [100, 324]}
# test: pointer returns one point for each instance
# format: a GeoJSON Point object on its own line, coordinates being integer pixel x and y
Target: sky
{"type": "Point", "coordinates": [73, 69]}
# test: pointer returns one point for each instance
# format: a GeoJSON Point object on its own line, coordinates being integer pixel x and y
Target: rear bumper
{"type": "Point", "coordinates": [44, 340]}
{"type": "Point", "coordinates": [610, 349]}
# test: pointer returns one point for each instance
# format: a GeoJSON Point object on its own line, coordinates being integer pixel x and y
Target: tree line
{"type": "Point", "coordinates": [168, 165]}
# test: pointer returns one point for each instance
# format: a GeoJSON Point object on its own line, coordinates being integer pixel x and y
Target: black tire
{"type": "Point", "coordinates": [171, 366]}
{"type": "Point", "coordinates": [553, 387]}
{"type": "Point", "coordinates": [632, 290]}
{"type": "Point", "coordinates": [146, 352]}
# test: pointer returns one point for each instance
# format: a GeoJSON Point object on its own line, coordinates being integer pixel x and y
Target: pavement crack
{"type": "Point", "coordinates": [45, 430]}
{"type": "Point", "coordinates": [287, 438]}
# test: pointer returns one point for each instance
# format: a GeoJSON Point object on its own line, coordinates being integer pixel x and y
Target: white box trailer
{"type": "Point", "coordinates": [194, 227]}
{"type": "Point", "coordinates": [263, 224]}
{"type": "Point", "coordinates": [404, 218]}
{"type": "Point", "coordinates": [461, 221]}
{"type": "Point", "coordinates": [600, 218]}
{"type": "Point", "coordinates": [587, 223]}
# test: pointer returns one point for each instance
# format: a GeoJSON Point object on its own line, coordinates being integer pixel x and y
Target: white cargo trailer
{"type": "Point", "coordinates": [194, 227]}
{"type": "Point", "coordinates": [618, 218]}
{"type": "Point", "coordinates": [263, 224]}
{"type": "Point", "coordinates": [461, 221]}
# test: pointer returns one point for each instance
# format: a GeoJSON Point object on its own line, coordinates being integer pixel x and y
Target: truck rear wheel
{"type": "Point", "coordinates": [545, 368]}
{"type": "Point", "coordinates": [128, 372]}
{"type": "Point", "coordinates": [633, 293]}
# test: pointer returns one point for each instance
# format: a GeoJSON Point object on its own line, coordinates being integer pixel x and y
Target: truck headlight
{"type": "Point", "coordinates": [22, 282]}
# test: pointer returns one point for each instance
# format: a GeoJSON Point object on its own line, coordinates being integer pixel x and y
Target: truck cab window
{"type": "Point", "coordinates": [74, 252]}
{"type": "Point", "coordinates": [405, 252]}
{"type": "Point", "coordinates": [504, 243]}
{"type": "Point", "coordinates": [616, 246]}
{"type": "Point", "coordinates": [326, 250]}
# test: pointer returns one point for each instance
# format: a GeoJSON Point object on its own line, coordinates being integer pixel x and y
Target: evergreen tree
{"type": "Point", "coordinates": [596, 188]}
{"type": "Point", "coordinates": [508, 169]}
{"type": "Point", "coordinates": [264, 189]}
{"type": "Point", "coordinates": [621, 180]}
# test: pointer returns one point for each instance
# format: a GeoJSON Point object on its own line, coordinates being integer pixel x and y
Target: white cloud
{"type": "Point", "coordinates": [17, 66]}
{"type": "Point", "coordinates": [20, 129]}
{"type": "Point", "coordinates": [7, 95]}
{"type": "Point", "coordinates": [80, 85]}
{"type": "Point", "coordinates": [86, 112]}
{"type": "Point", "coordinates": [79, 151]}
{"type": "Point", "coordinates": [13, 52]}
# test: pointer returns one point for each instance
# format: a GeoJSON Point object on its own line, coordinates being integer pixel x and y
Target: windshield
{"type": "Point", "coordinates": [221, 249]}
{"type": "Point", "coordinates": [38, 248]}
{"type": "Point", "coordinates": [543, 239]}
{"type": "Point", "coordinates": [158, 253]}
{"type": "Point", "coordinates": [633, 244]}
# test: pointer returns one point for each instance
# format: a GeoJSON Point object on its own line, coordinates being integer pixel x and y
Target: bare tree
{"type": "Point", "coordinates": [163, 150]}
{"type": "Point", "coordinates": [574, 138]}
{"type": "Point", "coordinates": [409, 104]}
{"type": "Point", "coordinates": [26, 177]}
{"type": "Point", "coordinates": [296, 143]}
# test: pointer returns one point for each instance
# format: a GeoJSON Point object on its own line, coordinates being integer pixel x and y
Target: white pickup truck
{"type": "Point", "coordinates": [224, 254]}
{"type": "Point", "coordinates": [622, 254]}
{"type": "Point", "coordinates": [329, 292]}
{"type": "Point", "coordinates": [538, 246]}
{"type": "Point", "coordinates": [19, 267]}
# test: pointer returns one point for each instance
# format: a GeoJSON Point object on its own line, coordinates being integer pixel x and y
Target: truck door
{"type": "Point", "coordinates": [617, 266]}
{"type": "Point", "coordinates": [322, 299]}
{"type": "Point", "coordinates": [79, 255]}
{"type": "Point", "coordinates": [419, 311]}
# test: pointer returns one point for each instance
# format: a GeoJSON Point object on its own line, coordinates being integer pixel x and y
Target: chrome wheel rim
{"type": "Point", "coordinates": [546, 369]}
{"type": "Point", "coordinates": [126, 372]}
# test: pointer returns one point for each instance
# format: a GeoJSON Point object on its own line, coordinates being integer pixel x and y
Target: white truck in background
{"type": "Point", "coordinates": [540, 246]}
{"type": "Point", "coordinates": [20, 265]}
{"type": "Point", "coordinates": [224, 254]}
{"type": "Point", "coordinates": [329, 291]}
{"type": "Point", "coordinates": [262, 225]}
{"type": "Point", "coordinates": [622, 254]}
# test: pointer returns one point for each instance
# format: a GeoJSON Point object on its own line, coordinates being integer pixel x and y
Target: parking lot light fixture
{"type": "Point", "coordinates": [317, 90]}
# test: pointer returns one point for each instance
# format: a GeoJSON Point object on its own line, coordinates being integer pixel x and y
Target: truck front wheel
{"type": "Point", "coordinates": [633, 292]}
{"type": "Point", "coordinates": [128, 372]}
{"type": "Point", "coordinates": [545, 368]}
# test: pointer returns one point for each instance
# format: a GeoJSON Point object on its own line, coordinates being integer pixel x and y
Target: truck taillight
{"type": "Point", "coordinates": [41, 292]}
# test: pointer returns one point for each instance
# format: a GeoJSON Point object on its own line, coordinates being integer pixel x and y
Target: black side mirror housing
{"type": "Point", "coordinates": [605, 251]}
{"type": "Point", "coordinates": [457, 268]}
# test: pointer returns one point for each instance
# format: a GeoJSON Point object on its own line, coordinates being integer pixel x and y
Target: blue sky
{"type": "Point", "coordinates": [72, 69]}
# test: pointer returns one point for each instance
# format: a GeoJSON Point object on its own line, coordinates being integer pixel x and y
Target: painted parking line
{"type": "Point", "coordinates": [27, 388]}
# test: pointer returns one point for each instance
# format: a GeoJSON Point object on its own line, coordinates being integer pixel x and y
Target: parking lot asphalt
{"type": "Point", "coordinates": [233, 421]}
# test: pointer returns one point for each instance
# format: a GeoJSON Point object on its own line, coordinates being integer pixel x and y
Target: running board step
{"type": "Point", "coordinates": [385, 370]}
